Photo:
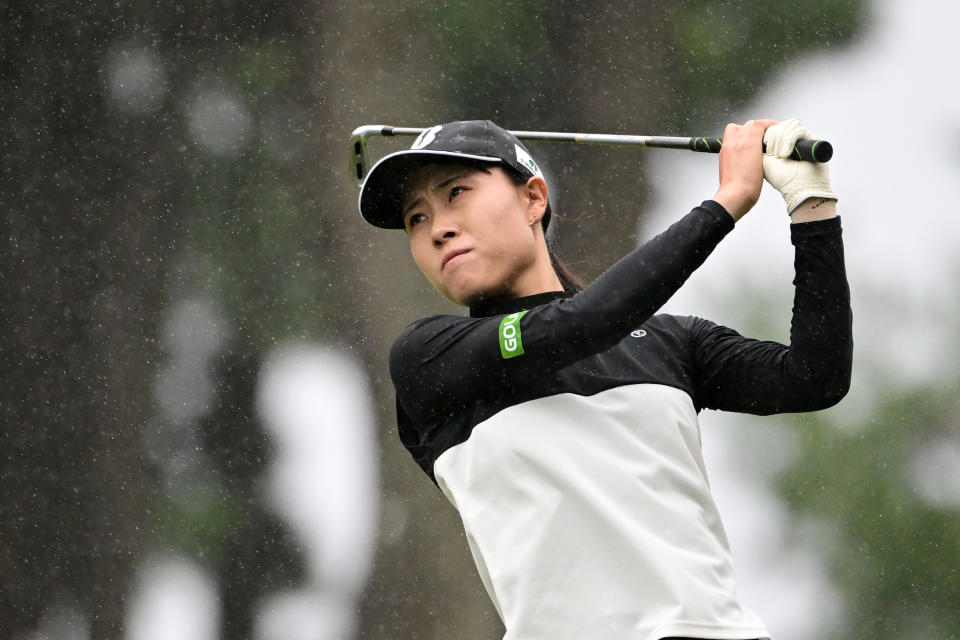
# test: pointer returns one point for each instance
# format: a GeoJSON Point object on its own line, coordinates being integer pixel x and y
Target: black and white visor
{"type": "Point", "coordinates": [381, 197]}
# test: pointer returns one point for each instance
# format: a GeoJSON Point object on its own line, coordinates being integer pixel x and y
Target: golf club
{"type": "Point", "coordinates": [809, 150]}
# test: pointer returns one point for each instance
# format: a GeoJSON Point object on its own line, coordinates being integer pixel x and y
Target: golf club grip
{"type": "Point", "coordinates": [809, 150]}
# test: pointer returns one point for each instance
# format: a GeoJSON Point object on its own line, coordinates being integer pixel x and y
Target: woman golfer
{"type": "Point", "coordinates": [562, 423]}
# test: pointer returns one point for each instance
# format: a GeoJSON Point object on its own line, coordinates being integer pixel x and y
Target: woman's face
{"type": "Point", "coordinates": [471, 233]}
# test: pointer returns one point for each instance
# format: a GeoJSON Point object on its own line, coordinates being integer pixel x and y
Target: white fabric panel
{"type": "Point", "coordinates": [591, 517]}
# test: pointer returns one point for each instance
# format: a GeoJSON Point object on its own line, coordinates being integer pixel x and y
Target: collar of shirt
{"type": "Point", "coordinates": [501, 306]}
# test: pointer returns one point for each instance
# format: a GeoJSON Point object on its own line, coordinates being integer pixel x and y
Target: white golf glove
{"type": "Point", "coordinates": [796, 180]}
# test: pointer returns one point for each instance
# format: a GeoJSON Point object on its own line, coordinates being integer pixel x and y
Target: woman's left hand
{"type": "Point", "coordinates": [741, 166]}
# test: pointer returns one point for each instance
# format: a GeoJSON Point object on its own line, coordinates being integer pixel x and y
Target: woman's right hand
{"type": "Point", "coordinates": [741, 166]}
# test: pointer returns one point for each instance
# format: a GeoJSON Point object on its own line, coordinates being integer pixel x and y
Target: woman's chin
{"type": "Point", "coordinates": [467, 296]}
{"type": "Point", "coordinates": [464, 299]}
{"type": "Point", "coordinates": [469, 288]}
{"type": "Point", "coordinates": [462, 291]}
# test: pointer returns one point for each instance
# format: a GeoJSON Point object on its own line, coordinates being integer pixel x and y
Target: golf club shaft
{"type": "Point", "coordinates": [808, 150]}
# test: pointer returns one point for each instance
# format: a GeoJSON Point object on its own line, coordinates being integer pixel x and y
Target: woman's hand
{"type": "Point", "coordinates": [741, 166]}
{"type": "Point", "coordinates": [797, 181]}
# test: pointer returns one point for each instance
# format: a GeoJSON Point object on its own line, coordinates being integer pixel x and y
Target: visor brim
{"type": "Point", "coordinates": [381, 196]}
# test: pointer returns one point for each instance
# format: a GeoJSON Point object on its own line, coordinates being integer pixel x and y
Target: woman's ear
{"type": "Point", "coordinates": [536, 193]}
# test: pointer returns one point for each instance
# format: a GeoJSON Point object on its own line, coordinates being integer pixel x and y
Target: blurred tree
{"type": "Point", "coordinates": [88, 225]}
{"type": "Point", "coordinates": [887, 494]}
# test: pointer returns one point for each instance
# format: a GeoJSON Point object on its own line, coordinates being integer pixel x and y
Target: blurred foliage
{"type": "Point", "coordinates": [894, 553]}
{"type": "Point", "coordinates": [726, 50]}
{"type": "Point", "coordinates": [701, 58]}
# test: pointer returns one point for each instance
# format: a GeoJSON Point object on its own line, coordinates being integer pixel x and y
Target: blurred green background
{"type": "Point", "coordinates": [162, 159]}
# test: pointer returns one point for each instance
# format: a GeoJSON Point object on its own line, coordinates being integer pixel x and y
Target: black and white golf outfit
{"type": "Point", "coordinates": [576, 467]}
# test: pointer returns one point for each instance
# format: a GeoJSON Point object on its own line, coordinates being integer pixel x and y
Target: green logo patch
{"type": "Point", "coordinates": [511, 345]}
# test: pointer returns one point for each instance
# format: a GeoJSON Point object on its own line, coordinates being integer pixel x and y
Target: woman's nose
{"type": "Point", "coordinates": [444, 229]}
{"type": "Point", "coordinates": [440, 240]}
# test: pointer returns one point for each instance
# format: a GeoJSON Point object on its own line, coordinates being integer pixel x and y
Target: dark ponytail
{"type": "Point", "coordinates": [569, 280]}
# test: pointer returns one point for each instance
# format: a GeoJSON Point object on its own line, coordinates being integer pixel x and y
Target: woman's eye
{"type": "Point", "coordinates": [415, 219]}
{"type": "Point", "coordinates": [455, 191]}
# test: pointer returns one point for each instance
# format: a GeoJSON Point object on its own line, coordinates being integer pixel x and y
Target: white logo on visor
{"type": "Point", "coordinates": [524, 158]}
{"type": "Point", "coordinates": [426, 137]}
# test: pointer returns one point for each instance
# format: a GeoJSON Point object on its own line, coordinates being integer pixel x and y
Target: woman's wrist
{"type": "Point", "coordinates": [814, 209]}
{"type": "Point", "coordinates": [737, 203]}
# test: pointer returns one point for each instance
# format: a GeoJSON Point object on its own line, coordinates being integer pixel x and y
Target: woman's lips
{"type": "Point", "coordinates": [452, 256]}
